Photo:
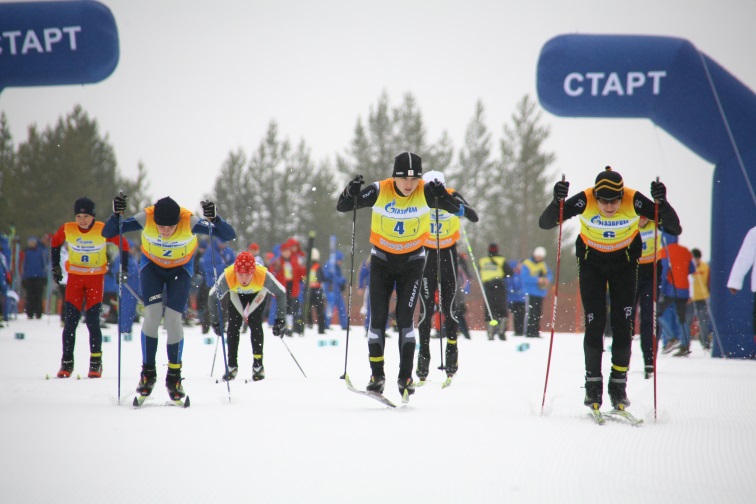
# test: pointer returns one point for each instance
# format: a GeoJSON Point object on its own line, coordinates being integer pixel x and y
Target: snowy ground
{"type": "Point", "coordinates": [292, 439]}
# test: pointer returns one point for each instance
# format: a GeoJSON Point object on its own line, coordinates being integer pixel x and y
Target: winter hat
{"type": "Point", "coordinates": [408, 164]}
{"type": "Point", "coordinates": [167, 212]}
{"type": "Point", "coordinates": [84, 206]}
{"type": "Point", "coordinates": [244, 263]}
{"type": "Point", "coordinates": [539, 252]}
{"type": "Point", "coordinates": [315, 255]}
{"type": "Point", "coordinates": [608, 185]}
{"type": "Point", "coordinates": [254, 247]}
{"type": "Point", "coordinates": [434, 175]}
{"type": "Point", "coordinates": [493, 248]}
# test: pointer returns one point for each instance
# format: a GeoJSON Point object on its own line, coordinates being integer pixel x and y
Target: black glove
{"type": "Point", "coordinates": [57, 274]}
{"type": "Point", "coordinates": [216, 329]}
{"type": "Point", "coordinates": [561, 189]}
{"type": "Point", "coordinates": [119, 203]}
{"type": "Point", "coordinates": [355, 186]}
{"type": "Point", "coordinates": [658, 191]}
{"type": "Point", "coordinates": [437, 189]}
{"type": "Point", "coordinates": [208, 210]}
{"type": "Point", "coordinates": [278, 327]}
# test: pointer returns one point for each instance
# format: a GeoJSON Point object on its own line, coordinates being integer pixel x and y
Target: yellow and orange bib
{"type": "Point", "coordinates": [171, 252]}
{"type": "Point", "coordinates": [399, 224]}
{"type": "Point", "coordinates": [87, 252]}
{"type": "Point", "coordinates": [608, 234]}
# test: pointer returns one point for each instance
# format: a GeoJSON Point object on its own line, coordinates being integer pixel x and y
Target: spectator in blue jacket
{"type": "Point", "coordinates": [34, 276]}
{"type": "Point", "coordinates": [335, 283]}
{"type": "Point", "coordinates": [536, 278]}
{"type": "Point", "coordinates": [516, 297]}
{"type": "Point", "coordinates": [224, 256]}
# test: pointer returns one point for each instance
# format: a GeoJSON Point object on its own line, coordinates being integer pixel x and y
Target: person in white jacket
{"type": "Point", "coordinates": [745, 261]}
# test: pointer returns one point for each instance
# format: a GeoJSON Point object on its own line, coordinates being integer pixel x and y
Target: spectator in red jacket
{"type": "Point", "coordinates": [288, 270]}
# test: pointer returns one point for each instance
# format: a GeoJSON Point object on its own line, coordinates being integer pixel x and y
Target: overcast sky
{"type": "Point", "coordinates": [197, 79]}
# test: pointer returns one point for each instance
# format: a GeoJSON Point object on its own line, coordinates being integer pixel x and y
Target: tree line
{"type": "Point", "coordinates": [276, 190]}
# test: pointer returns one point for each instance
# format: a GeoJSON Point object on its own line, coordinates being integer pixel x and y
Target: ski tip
{"type": "Point", "coordinates": [78, 377]}
{"type": "Point", "coordinates": [135, 402]}
{"type": "Point", "coordinates": [187, 403]}
{"type": "Point", "coordinates": [47, 377]}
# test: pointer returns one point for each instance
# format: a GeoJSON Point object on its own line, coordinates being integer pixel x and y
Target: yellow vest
{"type": "Point", "coordinates": [701, 282]}
{"type": "Point", "coordinates": [258, 280]}
{"type": "Point", "coordinates": [448, 228]}
{"type": "Point", "coordinates": [87, 252]}
{"type": "Point", "coordinates": [174, 251]}
{"type": "Point", "coordinates": [399, 224]}
{"type": "Point", "coordinates": [491, 268]}
{"type": "Point", "coordinates": [537, 269]}
{"type": "Point", "coordinates": [608, 234]}
{"type": "Point", "coordinates": [647, 238]}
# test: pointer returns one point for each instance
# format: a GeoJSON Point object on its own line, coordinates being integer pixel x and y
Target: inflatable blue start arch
{"type": "Point", "coordinates": [56, 43]}
{"type": "Point", "coordinates": [698, 102]}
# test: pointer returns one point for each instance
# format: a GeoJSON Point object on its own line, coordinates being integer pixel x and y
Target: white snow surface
{"type": "Point", "coordinates": [296, 439]}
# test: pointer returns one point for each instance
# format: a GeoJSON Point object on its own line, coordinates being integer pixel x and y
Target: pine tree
{"type": "Point", "coordinates": [525, 183]}
{"type": "Point", "coordinates": [7, 172]}
{"type": "Point", "coordinates": [476, 179]}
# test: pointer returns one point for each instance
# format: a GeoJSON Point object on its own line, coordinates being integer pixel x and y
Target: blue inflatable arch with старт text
{"type": "Point", "coordinates": [56, 43]}
{"type": "Point", "coordinates": [698, 102]}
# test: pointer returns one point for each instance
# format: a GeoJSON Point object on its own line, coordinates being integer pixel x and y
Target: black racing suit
{"type": "Point", "coordinates": [617, 270]}
{"type": "Point", "coordinates": [393, 271]}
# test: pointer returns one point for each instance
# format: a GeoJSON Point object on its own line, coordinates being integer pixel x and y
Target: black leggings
{"type": "Point", "coordinates": [385, 275]}
{"type": "Point", "coordinates": [448, 291]}
{"type": "Point", "coordinates": [621, 277]}
{"type": "Point", "coordinates": [254, 321]}
{"type": "Point", "coordinates": [72, 316]}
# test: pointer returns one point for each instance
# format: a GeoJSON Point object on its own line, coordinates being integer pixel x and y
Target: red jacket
{"type": "Point", "coordinates": [289, 272]}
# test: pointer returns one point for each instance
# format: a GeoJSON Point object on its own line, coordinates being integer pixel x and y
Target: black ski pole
{"type": "Point", "coordinates": [220, 307]}
{"type": "Point", "coordinates": [440, 304]}
{"type": "Point", "coordinates": [654, 295]}
{"type": "Point", "coordinates": [120, 283]}
{"type": "Point", "coordinates": [351, 281]}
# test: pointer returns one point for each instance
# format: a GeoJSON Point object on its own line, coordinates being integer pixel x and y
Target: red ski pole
{"type": "Point", "coordinates": [556, 292]}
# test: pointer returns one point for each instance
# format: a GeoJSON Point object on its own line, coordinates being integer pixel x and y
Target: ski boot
{"type": "Point", "coordinates": [451, 357]}
{"type": "Point", "coordinates": [147, 380]}
{"type": "Point", "coordinates": [173, 383]}
{"type": "Point", "coordinates": [594, 390]}
{"type": "Point", "coordinates": [423, 361]}
{"type": "Point", "coordinates": [617, 394]}
{"type": "Point", "coordinates": [258, 371]}
{"type": "Point", "coordinates": [66, 368]}
{"type": "Point", "coordinates": [683, 351]}
{"type": "Point", "coordinates": [95, 367]}
{"type": "Point", "coordinates": [491, 332]}
{"type": "Point", "coordinates": [376, 384]}
{"type": "Point", "coordinates": [231, 374]}
{"type": "Point", "coordinates": [648, 371]}
{"type": "Point", "coordinates": [502, 329]}
{"type": "Point", "coordinates": [406, 384]}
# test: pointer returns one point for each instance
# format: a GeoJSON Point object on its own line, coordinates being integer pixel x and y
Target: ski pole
{"type": "Point", "coordinates": [292, 355]}
{"type": "Point", "coordinates": [351, 281]}
{"type": "Point", "coordinates": [215, 356]}
{"type": "Point", "coordinates": [120, 283]}
{"type": "Point", "coordinates": [220, 307]}
{"type": "Point", "coordinates": [439, 306]}
{"type": "Point", "coordinates": [556, 291]}
{"type": "Point", "coordinates": [654, 339]}
{"type": "Point", "coordinates": [493, 321]}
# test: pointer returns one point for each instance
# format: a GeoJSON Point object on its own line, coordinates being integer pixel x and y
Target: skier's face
{"type": "Point", "coordinates": [166, 231]}
{"type": "Point", "coordinates": [406, 185]}
{"type": "Point", "coordinates": [84, 221]}
{"type": "Point", "coordinates": [244, 278]}
{"type": "Point", "coordinates": [608, 207]}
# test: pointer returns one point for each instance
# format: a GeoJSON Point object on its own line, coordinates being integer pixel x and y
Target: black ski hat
{"type": "Point", "coordinates": [408, 164]}
{"type": "Point", "coordinates": [609, 185]}
{"type": "Point", "coordinates": [167, 212]}
{"type": "Point", "coordinates": [493, 248]}
{"type": "Point", "coordinates": [84, 206]}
